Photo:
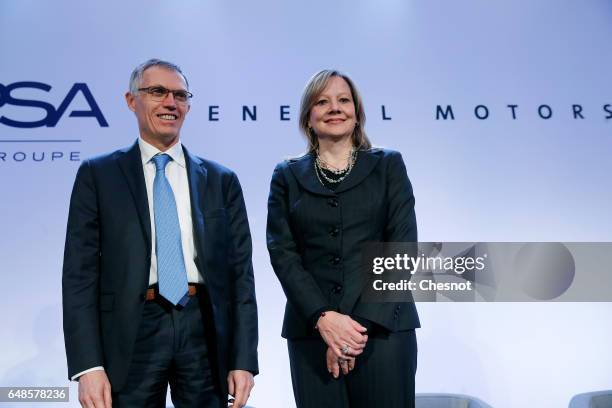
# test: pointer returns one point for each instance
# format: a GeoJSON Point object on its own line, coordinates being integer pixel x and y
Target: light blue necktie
{"type": "Point", "coordinates": [171, 272]}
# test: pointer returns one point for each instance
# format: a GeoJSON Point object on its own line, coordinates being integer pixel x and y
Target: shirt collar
{"type": "Point", "coordinates": [147, 151]}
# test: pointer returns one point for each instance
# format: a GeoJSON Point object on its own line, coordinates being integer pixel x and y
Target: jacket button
{"type": "Point", "coordinates": [334, 231]}
{"type": "Point", "coordinates": [337, 289]}
{"type": "Point", "coordinates": [335, 260]}
{"type": "Point", "coordinates": [332, 202]}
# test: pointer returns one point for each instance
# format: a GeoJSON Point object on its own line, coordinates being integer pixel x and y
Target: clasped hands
{"type": "Point", "coordinates": [345, 339]}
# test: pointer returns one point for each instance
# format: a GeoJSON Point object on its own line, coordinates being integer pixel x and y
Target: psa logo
{"type": "Point", "coordinates": [53, 115]}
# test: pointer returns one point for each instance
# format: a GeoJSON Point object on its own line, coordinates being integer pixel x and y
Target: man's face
{"type": "Point", "coordinates": [159, 120]}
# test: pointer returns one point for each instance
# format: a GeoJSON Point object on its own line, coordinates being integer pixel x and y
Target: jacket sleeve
{"type": "Point", "coordinates": [401, 220]}
{"type": "Point", "coordinates": [80, 278]}
{"type": "Point", "coordinates": [298, 284]}
{"type": "Point", "coordinates": [400, 227]}
{"type": "Point", "coordinates": [245, 336]}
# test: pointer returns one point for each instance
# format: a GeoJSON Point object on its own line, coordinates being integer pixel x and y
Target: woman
{"type": "Point", "coordinates": [322, 208]}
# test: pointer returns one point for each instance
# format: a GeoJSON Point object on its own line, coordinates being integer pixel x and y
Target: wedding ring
{"type": "Point", "coordinates": [345, 349]}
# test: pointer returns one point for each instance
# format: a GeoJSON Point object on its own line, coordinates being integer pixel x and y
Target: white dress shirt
{"type": "Point", "coordinates": [176, 174]}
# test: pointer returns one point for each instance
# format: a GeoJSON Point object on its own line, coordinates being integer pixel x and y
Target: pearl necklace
{"type": "Point", "coordinates": [320, 165]}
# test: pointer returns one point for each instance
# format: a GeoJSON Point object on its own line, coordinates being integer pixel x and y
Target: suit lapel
{"type": "Point", "coordinates": [366, 161]}
{"type": "Point", "coordinates": [197, 175]}
{"type": "Point", "coordinates": [304, 172]}
{"type": "Point", "coordinates": [130, 163]}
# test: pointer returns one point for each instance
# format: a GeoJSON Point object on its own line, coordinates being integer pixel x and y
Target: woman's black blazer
{"type": "Point", "coordinates": [315, 237]}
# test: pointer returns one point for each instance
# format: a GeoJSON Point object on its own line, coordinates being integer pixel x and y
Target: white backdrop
{"type": "Point", "coordinates": [495, 179]}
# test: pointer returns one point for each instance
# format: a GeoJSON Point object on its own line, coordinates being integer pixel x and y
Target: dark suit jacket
{"type": "Point", "coordinates": [108, 255]}
{"type": "Point", "coordinates": [315, 237]}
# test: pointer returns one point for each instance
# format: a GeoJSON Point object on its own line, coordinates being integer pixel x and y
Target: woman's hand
{"type": "Point", "coordinates": [335, 365]}
{"type": "Point", "coordinates": [344, 336]}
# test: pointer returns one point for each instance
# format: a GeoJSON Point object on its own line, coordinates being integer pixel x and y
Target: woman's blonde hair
{"type": "Point", "coordinates": [315, 86]}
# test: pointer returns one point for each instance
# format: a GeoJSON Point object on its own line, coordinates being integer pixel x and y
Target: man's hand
{"type": "Point", "coordinates": [95, 390]}
{"type": "Point", "coordinates": [240, 383]}
{"type": "Point", "coordinates": [334, 364]}
{"type": "Point", "coordinates": [340, 332]}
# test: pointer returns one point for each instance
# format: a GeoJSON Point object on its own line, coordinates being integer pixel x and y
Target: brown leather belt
{"type": "Point", "coordinates": [153, 293]}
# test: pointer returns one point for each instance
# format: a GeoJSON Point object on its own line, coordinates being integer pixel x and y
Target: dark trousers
{"type": "Point", "coordinates": [171, 348]}
{"type": "Point", "coordinates": [383, 375]}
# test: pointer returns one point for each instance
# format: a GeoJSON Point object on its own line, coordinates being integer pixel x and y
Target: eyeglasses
{"type": "Point", "coordinates": [159, 93]}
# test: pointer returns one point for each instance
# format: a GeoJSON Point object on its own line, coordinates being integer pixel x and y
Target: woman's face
{"type": "Point", "coordinates": [333, 114]}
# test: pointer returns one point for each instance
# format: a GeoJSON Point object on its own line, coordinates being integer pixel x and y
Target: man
{"type": "Point", "coordinates": [158, 282]}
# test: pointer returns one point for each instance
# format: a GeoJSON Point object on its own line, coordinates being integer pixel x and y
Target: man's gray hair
{"type": "Point", "coordinates": [136, 77]}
